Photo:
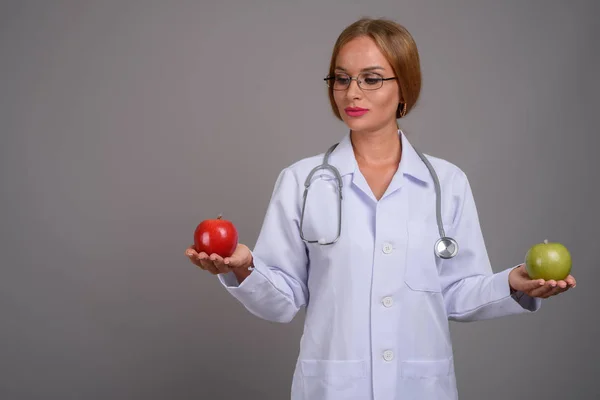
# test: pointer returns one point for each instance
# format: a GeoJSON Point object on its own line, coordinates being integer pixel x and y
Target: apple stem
{"type": "Point", "coordinates": [220, 215]}
{"type": "Point", "coordinates": [545, 241]}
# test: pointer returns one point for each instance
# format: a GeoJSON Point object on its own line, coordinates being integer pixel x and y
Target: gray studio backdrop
{"type": "Point", "coordinates": [125, 123]}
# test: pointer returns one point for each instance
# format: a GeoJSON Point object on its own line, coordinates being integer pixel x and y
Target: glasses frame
{"type": "Point", "coordinates": [330, 78]}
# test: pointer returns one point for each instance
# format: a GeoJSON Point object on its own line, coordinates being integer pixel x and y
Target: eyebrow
{"type": "Point", "coordinates": [374, 67]}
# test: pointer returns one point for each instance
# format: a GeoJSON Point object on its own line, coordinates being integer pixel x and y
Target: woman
{"type": "Point", "coordinates": [377, 299]}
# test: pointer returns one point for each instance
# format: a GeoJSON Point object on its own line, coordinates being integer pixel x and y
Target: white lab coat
{"type": "Point", "coordinates": [378, 301]}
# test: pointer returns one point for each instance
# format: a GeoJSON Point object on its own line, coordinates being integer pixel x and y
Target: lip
{"type": "Point", "coordinates": [355, 111]}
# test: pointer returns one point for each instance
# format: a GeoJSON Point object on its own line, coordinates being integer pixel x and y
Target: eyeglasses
{"type": "Point", "coordinates": [365, 80]}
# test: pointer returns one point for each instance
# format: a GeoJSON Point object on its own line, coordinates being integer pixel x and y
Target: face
{"type": "Point", "coordinates": [361, 55]}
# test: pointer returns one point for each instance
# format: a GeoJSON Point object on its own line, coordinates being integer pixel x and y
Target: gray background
{"type": "Point", "coordinates": [124, 124]}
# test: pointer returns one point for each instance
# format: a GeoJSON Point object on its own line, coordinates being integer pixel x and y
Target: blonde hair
{"type": "Point", "coordinates": [397, 46]}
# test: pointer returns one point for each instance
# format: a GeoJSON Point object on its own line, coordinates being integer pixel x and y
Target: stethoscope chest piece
{"type": "Point", "coordinates": [446, 247]}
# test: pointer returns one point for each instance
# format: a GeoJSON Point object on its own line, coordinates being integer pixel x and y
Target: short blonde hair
{"type": "Point", "coordinates": [398, 47]}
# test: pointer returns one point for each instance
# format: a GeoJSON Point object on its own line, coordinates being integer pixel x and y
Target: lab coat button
{"type": "Point", "coordinates": [388, 355]}
{"type": "Point", "coordinates": [387, 301]}
{"type": "Point", "coordinates": [387, 248]}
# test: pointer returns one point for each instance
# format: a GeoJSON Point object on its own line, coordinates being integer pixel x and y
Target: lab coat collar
{"type": "Point", "coordinates": [410, 164]}
{"type": "Point", "coordinates": [343, 157]}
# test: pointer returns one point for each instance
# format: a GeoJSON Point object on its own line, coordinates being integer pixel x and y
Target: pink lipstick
{"type": "Point", "coordinates": [355, 111]}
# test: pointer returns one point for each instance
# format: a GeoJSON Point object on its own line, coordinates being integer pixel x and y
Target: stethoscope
{"type": "Point", "coordinates": [445, 247]}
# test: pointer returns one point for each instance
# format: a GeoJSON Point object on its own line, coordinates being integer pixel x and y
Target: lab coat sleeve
{"type": "Point", "coordinates": [470, 288]}
{"type": "Point", "coordinates": [276, 288]}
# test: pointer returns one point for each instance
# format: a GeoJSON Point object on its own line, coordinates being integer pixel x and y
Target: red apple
{"type": "Point", "coordinates": [217, 236]}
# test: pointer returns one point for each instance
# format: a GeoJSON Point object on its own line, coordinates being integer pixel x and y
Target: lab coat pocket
{"type": "Point", "coordinates": [324, 379]}
{"type": "Point", "coordinates": [421, 272]}
{"type": "Point", "coordinates": [429, 379]}
{"type": "Point", "coordinates": [427, 368]}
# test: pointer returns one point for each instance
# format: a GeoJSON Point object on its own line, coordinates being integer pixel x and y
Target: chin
{"type": "Point", "coordinates": [358, 125]}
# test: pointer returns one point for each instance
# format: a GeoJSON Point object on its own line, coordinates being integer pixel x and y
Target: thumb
{"type": "Point", "coordinates": [241, 257]}
{"type": "Point", "coordinates": [522, 282]}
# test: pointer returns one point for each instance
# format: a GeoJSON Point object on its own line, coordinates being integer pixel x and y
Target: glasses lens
{"type": "Point", "coordinates": [370, 81]}
{"type": "Point", "coordinates": [341, 81]}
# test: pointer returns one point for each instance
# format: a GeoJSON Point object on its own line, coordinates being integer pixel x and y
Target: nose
{"type": "Point", "coordinates": [354, 91]}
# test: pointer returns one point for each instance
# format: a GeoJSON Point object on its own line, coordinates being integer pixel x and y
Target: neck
{"type": "Point", "coordinates": [376, 148]}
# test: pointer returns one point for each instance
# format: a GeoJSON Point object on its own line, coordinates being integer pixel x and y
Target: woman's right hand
{"type": "Point", "coordinates": [238, 262]}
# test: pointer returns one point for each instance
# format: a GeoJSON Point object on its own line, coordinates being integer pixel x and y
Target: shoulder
{"type": "Point", "coordinates": [457, 195]}
{"type": "Point", "coordinates": [295, 174]}
{"type": "Point", "coordinates": [449, 174]}
{"type": "Point", "coordinates": [303, 166]}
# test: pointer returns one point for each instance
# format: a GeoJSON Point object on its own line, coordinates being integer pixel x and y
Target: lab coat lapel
{"type": "Point", "coordinates": [344, 160]}
{"type": "Point", "coordinates": [342, 157]}
{"type": "Point", "coordinates": [361, 183]}
{"type": "Point", "coordinates": [410, 164]}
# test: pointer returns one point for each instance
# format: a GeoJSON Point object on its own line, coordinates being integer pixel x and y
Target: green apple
{"type": "Point", "coordinates": [548, 261]}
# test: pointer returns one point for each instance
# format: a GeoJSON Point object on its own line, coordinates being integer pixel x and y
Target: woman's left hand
{"type": "Point", "coordinates": [519, 280]}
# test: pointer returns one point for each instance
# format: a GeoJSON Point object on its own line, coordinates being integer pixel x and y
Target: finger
{"type": "Point", "coordinates": [533, 284]}
{"type": "Point", "coordinates": [212, 269]}
{"type": "Point", "coordinates": [541, 291]}
{"type": "Point", "coordinates": [522, 271]}
{"type": "Point", "coordinates": [218, 263]}
{"type": "Point", "coordinates": [571, 281]}
{"type": "Point", "coordinates": [207, 264]}
{"type": "Point", "coordinates": [240, 257]}
{"type": "Point", "coordinates": [191, 252]}
{"type": "Point", "coordinates": [233, 261]}
{"type": "Point", "coordinates": [559, 291]}
{"type": "Point", "coordinates": [204, 262]}
{"type": "Point", "coordinates": [562, 284]}
{"type": "Point", "coordinates": [544, 291]}
{"type": "Point", "coordinates": [194, 257]}
{"type": "Point", "coordinates": [555, 291]}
